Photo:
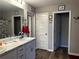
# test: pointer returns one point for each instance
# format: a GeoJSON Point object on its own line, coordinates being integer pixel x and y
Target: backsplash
{"type": "Point", "coordinates": [4, 27]}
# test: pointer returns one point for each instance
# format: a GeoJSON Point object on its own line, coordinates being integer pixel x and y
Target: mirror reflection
{"type": "Point", "coordinates": [11, 21]}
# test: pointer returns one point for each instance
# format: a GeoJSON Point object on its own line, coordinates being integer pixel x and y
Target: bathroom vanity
{"type": "Point", "coordinates": [19, 49]}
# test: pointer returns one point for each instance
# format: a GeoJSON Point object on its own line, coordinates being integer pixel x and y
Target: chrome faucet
{"type": "Point", "coordinates": [21, 35]}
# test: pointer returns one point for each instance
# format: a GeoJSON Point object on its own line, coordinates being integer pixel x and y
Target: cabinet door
{"type": "Point", "coordinates": [21, 52]}
{"type": "Point", "coordinates": [30, 50]}
{"type": "Point", "coordinates": [21, 56]}
{"type": "Point", "coordinates": [10, 55]}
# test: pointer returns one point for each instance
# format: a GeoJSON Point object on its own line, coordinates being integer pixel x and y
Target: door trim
{"type": "Point", "coordinates": [69, 31]}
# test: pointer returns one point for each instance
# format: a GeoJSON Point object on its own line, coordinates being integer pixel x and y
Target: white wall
{"type": "Point", "coordinates": [74, 26]}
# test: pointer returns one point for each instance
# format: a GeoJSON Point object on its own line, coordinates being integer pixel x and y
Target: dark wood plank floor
{"type": "Point", "coordinates": [60, 53]}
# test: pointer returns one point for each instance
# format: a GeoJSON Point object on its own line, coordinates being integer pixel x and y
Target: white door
{"type": "Point", "coordinates": [42, 30]}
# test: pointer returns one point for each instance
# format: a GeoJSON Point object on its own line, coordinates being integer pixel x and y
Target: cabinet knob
{"type": "Point", "coordinates": [21, 49]}
{"type": "Point", "coordinates": [21, 56]}
{"type": "Point", "coordinates": [31, 49]}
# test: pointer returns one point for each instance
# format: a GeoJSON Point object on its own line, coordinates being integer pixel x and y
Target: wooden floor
{"type": "Point", "coordinates": [60, 53]}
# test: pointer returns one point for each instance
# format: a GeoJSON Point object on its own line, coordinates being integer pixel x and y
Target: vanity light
{"type": "Point", "coordinates": [20, 1]}
{"type": "Point", "coordinates": [50, 18]}
{"type": "Point", "coordinates": [17, 12]}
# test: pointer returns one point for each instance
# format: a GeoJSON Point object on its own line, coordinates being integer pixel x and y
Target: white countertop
{"type": "Point", "coordinates": [14, 44]}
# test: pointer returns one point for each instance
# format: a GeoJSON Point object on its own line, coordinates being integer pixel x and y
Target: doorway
{"type": "Point", "coordinates": [62, 24]}
{"type": "Point", "coordinates": [17, 25]}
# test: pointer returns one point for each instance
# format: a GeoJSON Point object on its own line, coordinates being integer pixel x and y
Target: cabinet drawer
{"type": "Point", "coordinates": [21, 50]}
{"type": "Point", "coordinates": [10, 55]}
{"type": "Point", "coordinates": [21, 56]}
{"type": "Point", "coordinates": [30, 46]}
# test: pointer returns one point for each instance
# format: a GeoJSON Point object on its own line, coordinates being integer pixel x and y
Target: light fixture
{"type": "Point", "coordinates": [50, 18]}
{"type": "Point", "coordinates": [20, 1]}
{"type": "Point", "coordinates": [16, 12]}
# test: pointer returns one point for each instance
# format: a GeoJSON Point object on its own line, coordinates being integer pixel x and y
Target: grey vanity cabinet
{"type": "Point", "coordinates": [10, 55]}
{"type": "Point", "coordinates": [25, 51]}
{"type": "Point", "coordinates": [30, 50]}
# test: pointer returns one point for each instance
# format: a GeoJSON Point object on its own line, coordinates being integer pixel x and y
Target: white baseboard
{"type": "Point", "coordinates": [74, 54]}
{"type": "Point", "coordinates": [42, 48]}
{"type": "Point", "coordinates": [51, 50]}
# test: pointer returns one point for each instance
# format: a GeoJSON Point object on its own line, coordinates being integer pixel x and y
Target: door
{"type": "Point", "coordinates": [21, 52]}
{"type": "Point", "coordinates": [42, 30]}
{"type": "Point", "coordinates": [17, 25]}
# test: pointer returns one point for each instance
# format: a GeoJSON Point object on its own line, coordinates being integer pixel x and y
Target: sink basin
{"type": "Point", "coordinates": [5, 45]}
{"type": "Point", "coordinates": [16, 40]}
{"type": "Point", "coordinates": [12, 42]}
{"type": "Point", "coordinates": [2, 46]}
{"type": "Point", "coordinates": [2, 49]}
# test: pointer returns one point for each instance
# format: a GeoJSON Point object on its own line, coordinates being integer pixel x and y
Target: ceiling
{"type": "Point", "coordinates": [40, 3]}
{"type": "Point", "coordinates": [4, 6]}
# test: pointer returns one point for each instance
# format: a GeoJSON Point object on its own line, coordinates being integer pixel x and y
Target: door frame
{"type": "Point", "coordinates": [13, 23]}
{"type": "Point", "coordinates": [28, 24]}
{"type": "Point", "coordinates": [69, 30]}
